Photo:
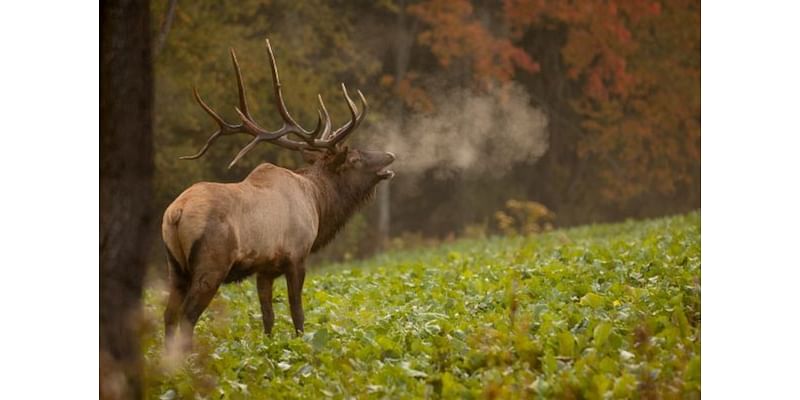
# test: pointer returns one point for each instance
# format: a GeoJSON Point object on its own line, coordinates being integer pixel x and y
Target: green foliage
{"type": "Point", "coordinates": [610, 311]}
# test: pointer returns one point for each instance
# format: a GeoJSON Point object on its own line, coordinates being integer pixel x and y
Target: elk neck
{"type": "Point", "coordinates": [337, 199]}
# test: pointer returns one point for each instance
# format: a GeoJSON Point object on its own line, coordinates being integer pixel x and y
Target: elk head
{"type": "Point", "coordinates": [323, 148]}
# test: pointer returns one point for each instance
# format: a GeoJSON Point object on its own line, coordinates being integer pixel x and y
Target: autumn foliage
{"type": "Point", "coordinates": [619, 82]}
{"type": "Point", "coordinates": [455, 33]}
{"type": "Point", "coordinates": [638, 104]}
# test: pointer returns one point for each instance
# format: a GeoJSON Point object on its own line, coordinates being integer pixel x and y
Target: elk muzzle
{"type": "Point", "coordinates": [386, 159]}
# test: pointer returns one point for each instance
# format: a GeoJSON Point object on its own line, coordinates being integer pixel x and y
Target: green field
{"type": "Point", "coordinates": [591, 312]}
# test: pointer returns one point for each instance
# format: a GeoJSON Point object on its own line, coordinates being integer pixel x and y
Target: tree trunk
{"type": "Point", "coordinates": [126, 170]}
{"type": "Point", "coordinates": [384, 200]}
{"type": "Point", "coordinates": [403, 40]}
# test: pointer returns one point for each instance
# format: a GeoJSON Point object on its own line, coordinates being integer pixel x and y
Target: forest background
{"type": "Point", "coordinates": [512, 116]}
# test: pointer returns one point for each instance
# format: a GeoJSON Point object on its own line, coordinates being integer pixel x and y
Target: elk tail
{"type": "Point", "coordinates": [169, 232]}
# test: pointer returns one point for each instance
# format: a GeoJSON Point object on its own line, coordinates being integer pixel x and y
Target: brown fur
{"type": "Point", "coordinates": [266, 224]}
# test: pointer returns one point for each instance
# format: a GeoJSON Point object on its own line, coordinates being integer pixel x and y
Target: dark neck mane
{"type": "Point", "coordinates": [337, 201]}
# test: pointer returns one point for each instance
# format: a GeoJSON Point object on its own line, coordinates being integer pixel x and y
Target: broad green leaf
{"type": "Point", "coordinates": [592, 300]}
{"type": "Point", "coordinates": [601, 332]}
{"type": "Point", "coordinates": [566, 344]}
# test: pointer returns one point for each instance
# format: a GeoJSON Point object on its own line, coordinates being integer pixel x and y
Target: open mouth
{"type": "Point", "coordinates": [386, 174]}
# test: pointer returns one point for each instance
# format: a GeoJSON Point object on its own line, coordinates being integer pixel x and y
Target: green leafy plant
{"type": "Point", "coordinates": [604, 311]}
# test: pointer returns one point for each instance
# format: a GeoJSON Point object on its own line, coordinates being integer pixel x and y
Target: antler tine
{"type": "Point", "coordinates": [327, 118]}
{"type": "Point", "coordinates": [205, 147]}
{"type": "Point", "coordinates": [224, 127]}
{"type": "Point", "coordinates": [240, 83]}
{"type": "Point", "coordinates": [323, 124]}
{"type": "Point", "coordinates": [318, 130]}
{"type": "Point", "coordinates": [276, 83]}
{"type": "Point", "coordinates": [244, 151]}
{"type": "Point", "coordinates": [210, 111]}
{"type": "Point", "coordinates": [355, 116]}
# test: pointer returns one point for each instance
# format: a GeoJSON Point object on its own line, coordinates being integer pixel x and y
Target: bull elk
{"type": "Point", "coordinates": [271, 221]}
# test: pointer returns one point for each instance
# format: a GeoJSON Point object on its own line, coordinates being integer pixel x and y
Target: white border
{"type": "Point", "coordinates": [49, 198]}
{"type": "Point", "coordinates": [751, 265]}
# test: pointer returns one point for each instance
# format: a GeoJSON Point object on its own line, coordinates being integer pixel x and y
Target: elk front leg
{"type": "Point", "coordinates": [294, 284]}
{"type": "Point", "coordinates": [264, 283]}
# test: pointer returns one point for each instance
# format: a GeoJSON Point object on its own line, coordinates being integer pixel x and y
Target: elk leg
{"type": "Point", "coordinates": [177, 293]}
{"type": "Point", "coordinates": [264, 283]}
{"type": "Point", "coordinates": [295, 276]}
{"type": "Point", "coordinates": [198, 297]}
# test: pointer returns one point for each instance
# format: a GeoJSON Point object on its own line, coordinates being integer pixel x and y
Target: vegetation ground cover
{"type": "Point", "coordinates": [591, 312]}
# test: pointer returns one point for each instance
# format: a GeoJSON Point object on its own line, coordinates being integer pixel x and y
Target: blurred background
{"type": "Point", "coordinates": [507, 117]}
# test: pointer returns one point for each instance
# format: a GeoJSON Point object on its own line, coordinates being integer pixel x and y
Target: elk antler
{"type": "Point", "coordinates": [321, 138]}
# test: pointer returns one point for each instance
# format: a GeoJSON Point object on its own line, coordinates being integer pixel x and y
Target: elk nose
{"type": "Point", "coordinates": [391, 155]}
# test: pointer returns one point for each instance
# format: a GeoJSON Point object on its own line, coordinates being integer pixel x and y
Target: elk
{"type": "Point", "coordinates": [270, 222]}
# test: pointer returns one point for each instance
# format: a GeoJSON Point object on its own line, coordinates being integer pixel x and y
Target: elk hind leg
{"type": "Point", "coordinates": [172, 313]}
{"type": "Point", "coordinates": [208, 275]}
{"type": "Point", "coordinates": [178, 284]}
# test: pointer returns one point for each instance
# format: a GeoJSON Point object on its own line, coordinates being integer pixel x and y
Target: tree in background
{"type": "Point", "coordinates": [126, 173]}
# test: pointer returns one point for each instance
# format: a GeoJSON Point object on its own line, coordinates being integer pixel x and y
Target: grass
{"type": "Point", "coordinates": [605, 311]}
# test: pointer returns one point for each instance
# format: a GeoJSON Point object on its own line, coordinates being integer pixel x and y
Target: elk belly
{"type": "Point", "coordinates": [275, 265]}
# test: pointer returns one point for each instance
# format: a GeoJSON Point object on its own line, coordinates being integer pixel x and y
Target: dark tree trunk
{"type": "Point", "coordinates": [126, 170]}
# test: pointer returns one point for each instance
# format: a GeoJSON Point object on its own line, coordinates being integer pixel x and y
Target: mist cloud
{"type": "Point", "coordinates": [467, 134]}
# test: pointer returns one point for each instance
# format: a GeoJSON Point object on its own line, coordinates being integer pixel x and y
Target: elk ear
{"type": "Point", "coordinates": [310, 157]}
{"type": "Point", "coordinates": [338, 159]}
